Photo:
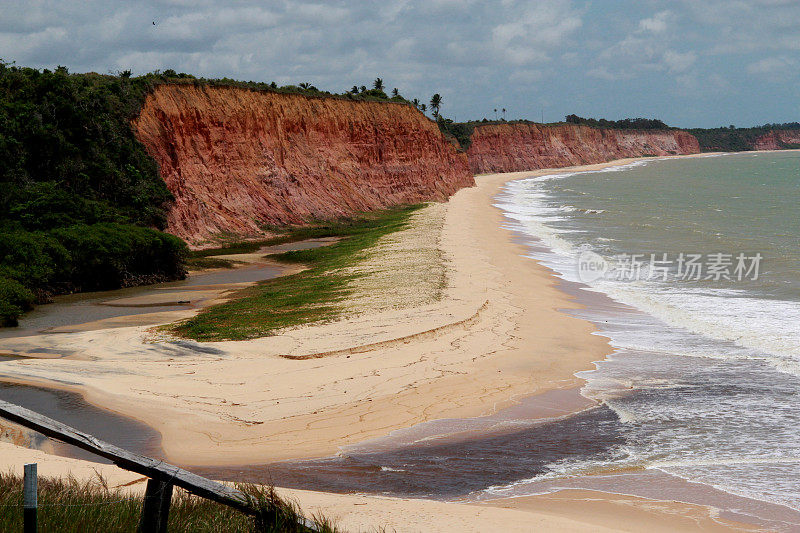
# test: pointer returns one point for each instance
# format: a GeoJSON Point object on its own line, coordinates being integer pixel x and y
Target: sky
{"type": "Point", "coordinates": [691, 63]}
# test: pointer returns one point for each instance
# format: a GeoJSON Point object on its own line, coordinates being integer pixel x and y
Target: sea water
{"type": "Point", "coordinates": [705, 377]}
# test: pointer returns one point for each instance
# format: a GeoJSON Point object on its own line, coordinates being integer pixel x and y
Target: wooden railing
{"type": "Point", "coordinates": [162, 476]}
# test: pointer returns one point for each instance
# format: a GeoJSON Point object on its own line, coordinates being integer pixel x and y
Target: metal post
{"type": "Point", "coordinates": [155, 511]}
{"type": "Point", "coordinates": [29, 498]}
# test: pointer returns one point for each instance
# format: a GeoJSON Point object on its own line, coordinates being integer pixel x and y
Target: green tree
{"type": "Point", "coordinates": [395, 92]}
{"type": "Point", "coordinates": [378, 84]}
{"type": "Point", "coordinates": [436, 103]}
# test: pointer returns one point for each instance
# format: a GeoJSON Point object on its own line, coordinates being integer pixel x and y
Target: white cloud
{"type": "Point", "coordinates": [774, 68]}
{"type": "Point", "coordinates": [531, 33]}
{"type": "Point", "coordinates": [679, 62]}
{"type": "Point", "coordinates": [657, 23]}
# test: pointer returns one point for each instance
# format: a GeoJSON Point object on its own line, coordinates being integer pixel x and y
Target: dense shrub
{"type": "Point", "coordinates": [109, 255]}
{"type": "Point", "coordinates": [461, 131]}
{"type": "Point", "coordinates": [73, 131]}
{"type": "Point", "coordinates": [14, 300]}
{"type": "Point", "coordinates": [81, 196]}
{"type": "Point", "coordinates": [624, 124]}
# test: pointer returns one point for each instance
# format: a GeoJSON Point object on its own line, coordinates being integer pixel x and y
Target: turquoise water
{"type": "Point", "coordinates": [734, 203]}
{"type": "Point", "coordinates": [705, 377]}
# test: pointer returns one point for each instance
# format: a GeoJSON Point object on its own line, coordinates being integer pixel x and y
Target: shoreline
{"type": "Point", "coordinates": [536, 278]}
{"type": "Point", "coordinates": [495, 253]}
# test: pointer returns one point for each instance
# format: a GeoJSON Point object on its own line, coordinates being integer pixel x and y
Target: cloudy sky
{"type": "Point", "coordinates": [689, 62]}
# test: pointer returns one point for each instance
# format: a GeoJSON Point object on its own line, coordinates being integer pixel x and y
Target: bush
{"type": "Point", "coordinates": [624, 124]}
{"type": "Point", "coordinates": [14, 300]}
{"type": "Point", "coordinates": [73, 131]}
{"type": "Point", "coordinates": [110, 255]}
{"type": "Point", "coordinates": [81, 196]}
{"type": "Point", "coordinates": [100, 256]}
{"type": "Point", "coordinates": [33, 259]}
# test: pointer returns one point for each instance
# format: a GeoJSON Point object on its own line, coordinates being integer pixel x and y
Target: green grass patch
{"type": "Point", "coordinates": [206, 263]}
{"type": "Point", "coordinates": [241, 247]}
{"type": "Point", "coordinates": [309, 296]}
{"type": "Point", "coordinates": [68, 505]}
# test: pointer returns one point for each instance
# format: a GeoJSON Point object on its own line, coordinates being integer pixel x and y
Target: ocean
{"type": "Point", "coordinates": [705, 376]}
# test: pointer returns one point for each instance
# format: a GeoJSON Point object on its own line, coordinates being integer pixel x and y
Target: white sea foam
{"type": "Point", "coordinates": [758, 324]}
{"type": "Point", "coordinates": [684, 380]}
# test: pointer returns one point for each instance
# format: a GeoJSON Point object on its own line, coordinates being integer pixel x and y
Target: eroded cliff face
{"type": "Point", "coordinates": [778, 140]}
{"type": "Point", "coordinates": [236, 159]}
{"type": "Point", "coordinates": [519, 147]}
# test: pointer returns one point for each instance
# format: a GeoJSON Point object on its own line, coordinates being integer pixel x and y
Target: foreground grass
{"type": "Point", "coordinates": [309, 296]}
{"type": "Point", "coordinates": [67, 505]}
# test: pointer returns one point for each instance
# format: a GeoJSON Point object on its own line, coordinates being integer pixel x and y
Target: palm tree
{"type": "Point", "coordinates": [305, 85]}
{"type": "Point", "coordinates": [495, 113]}
{"type": "Point", "coordinates": [354, 90]}
{"type": "Point", "coordinates": [395, 92]}
{"type": "Point", "coordinates": [415, 101]}
{"type": "Point", "coordinates": [378, 84]}
{"type": "Point", "coordinates": [423, 108]}
{"type": "Point", "coordinates": [363, 88]}
{"type": "Point", "coordinates": [504, 113]}
{"type": "Point", "coordinates": [436, 102]}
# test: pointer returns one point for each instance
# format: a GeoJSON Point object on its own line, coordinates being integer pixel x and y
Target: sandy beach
{"type": "Point", "coordinates": [495, 334]}
{"type": "Point", "coordinates": [473, 330]}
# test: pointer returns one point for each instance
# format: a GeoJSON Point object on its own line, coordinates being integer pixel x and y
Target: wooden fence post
{"type": "Point", "coordinates": [155, 511]}
{"type": "Point", "coordinates": [29, 498]}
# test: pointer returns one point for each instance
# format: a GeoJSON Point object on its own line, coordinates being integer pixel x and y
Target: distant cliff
{"type": "Point", "coordinates": [527, 146]}
{"type": "Point", "coordinates": [767, 137]}
{"type": "Point", "coordinates": [778, 140]}
{"type": "Point", "coordinates": [237, 159]}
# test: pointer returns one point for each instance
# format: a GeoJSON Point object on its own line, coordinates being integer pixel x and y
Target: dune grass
{"type": "Point", "coordinates": [67, 505]}
{"type": "Point", "coordinates": [309, 296]}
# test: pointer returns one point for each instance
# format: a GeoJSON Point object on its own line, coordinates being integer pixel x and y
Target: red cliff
{"type": "Point", "coordinates": [519, 147]}
{"type": "Point", "coordinates": [778, 140]}
{"type": "Point", "coordinates": [237, 159]}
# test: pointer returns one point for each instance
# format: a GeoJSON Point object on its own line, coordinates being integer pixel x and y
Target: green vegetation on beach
{"type": "Point", "coordinates": [68, 505]}
{"type": "Point", "coordinates": [308, 296]}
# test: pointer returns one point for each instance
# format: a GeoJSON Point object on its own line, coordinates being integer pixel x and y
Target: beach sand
{"type": "Point", "coordinates": [496, 334]}
{"type": "Point", "coordinates": [493, 333]}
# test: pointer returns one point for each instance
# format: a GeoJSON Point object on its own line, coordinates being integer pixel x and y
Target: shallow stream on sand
{"type": "Point", "coordinates": [88, 310]}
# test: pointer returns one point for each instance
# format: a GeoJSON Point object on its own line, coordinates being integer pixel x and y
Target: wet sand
{"type": "Point", "coordinates": [568, 511]}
